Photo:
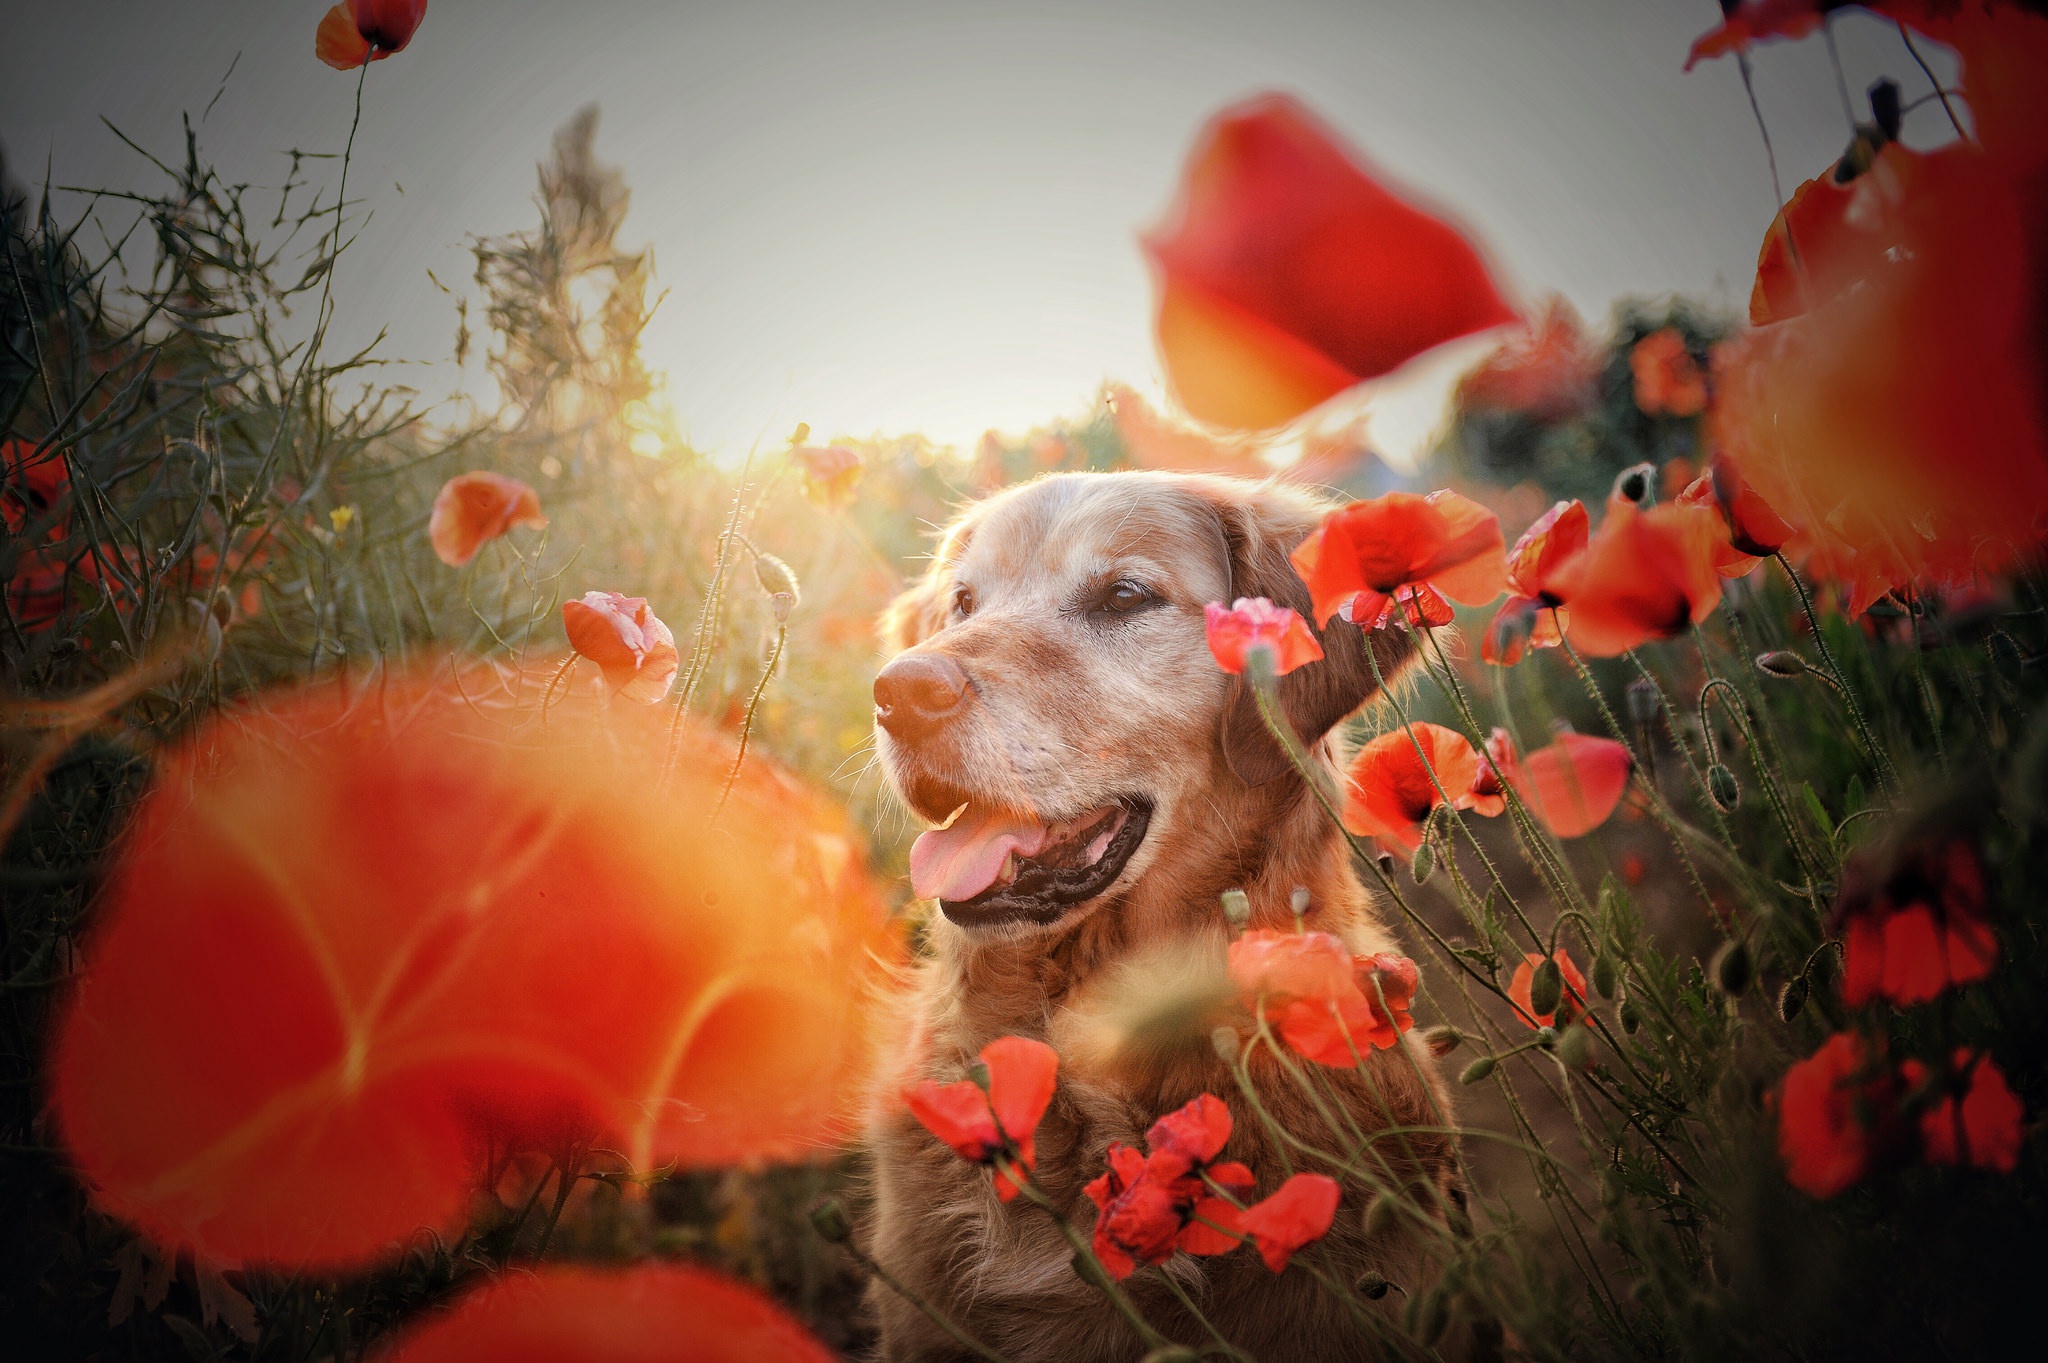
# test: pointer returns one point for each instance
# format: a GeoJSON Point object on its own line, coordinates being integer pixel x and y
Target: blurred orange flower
{"type": "Point", "coordinates": [361, 31]}
{"type": "Point", "coordinates": [1668, 380]}
{"type": "Point", "coordinates": [1571, 785]}
{"type": "Point", "coordinates": [1839, 1113]}
{"type": "Point", "coordinates": [1287, 273]}
{"type": "Point", "coordinates": [1913, 926]}
{"type": "Point", "coordinates": [1153, 440]}
{"type": "Point", "coordinates": [1298, 1214]}
{"type": "Point", "coordinates": [1529, 617]}
{"type": "Point", "coordinates": [627, 640]}
{"type": "Point", "coordinates": [1255, 622]}
{"type": "Point", "coordinates": [559, 1314]}
{"type": "Point", "coordinates": [473, 508]}
{"type": "Point", "coordinates": [355, 929]}
{"type": "Point", "coordinates": [1549, 370]}
{"type": "Point", "coordinates": [1322, 1000]}
{"type": "Point", "coordinates": [1405, 549]}
{"type": "Point", "coordinates": [1643, 575]}
{"type": "Point", "coordinates": [831, 474]}
{"type": "Point", "coordinates": [1389, 790]}
{"type": "Point", "coordinates": [981, 1124]}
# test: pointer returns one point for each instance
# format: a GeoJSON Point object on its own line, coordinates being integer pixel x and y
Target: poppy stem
{"type": "Point", "coordinates": [1223, 1346]}
{"type": "Point", "coordinates": [921, 1306]}
{"type": "Point", "coordinates": [1092, 1268]}
{"type": "Point", "coordinates": [1886, 775]}
{"type": "Point", "coordinates": [747, 724]}
{"type": "Point", "coordinates": [1906, 37]}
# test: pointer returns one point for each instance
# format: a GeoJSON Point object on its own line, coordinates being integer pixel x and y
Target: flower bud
{"type": "Point", "coordinates": [1442, 1040]}
{"type": "Point", "coordinates": [1643, 702]}
{"type": "Point", "coordinates": [829, 1219]}
{"type": "Point", "coordinates": [1885, 109]}
{"type": "Point", "coordinates": [1575, 1046]}
{"type": "Point", "coordinates": [1373, 1286]}
{"type": "Point", "coordinates": [1237, 908]}
{"type": "Point", "coordinates": [1227, 1043]}
{"type": "Point", "coordinates": [775, 576]}
{"type": "Point", "coordinates": [1780, 663]}
{"type": "Point", "coordinates": [1731, 968]}
{"type": "Point", "coordinates": [1635, 483]}
{"type": "Point", "coordinates": [2005, 650]}
{"type": "Point", "coordinates": [1423, 862]}
{"type": "Point", "coordinates": [1631, 1017]}
{"type": "Point", "coordinates": [978, 1074]}
{"type": "Point", "coordinates": [1791, 999]}
{"type": "Point", "coordinates": [1606, 975]}
{"type": "Point", "coordinates": [782, 603]}
{"type": "Point", "coordinates": [801, 433]}
{"type": "Point", "coordinates": [1478, 1070]}
{"type": "Point", "coordinates": [1721, 785]}
{"type": "Point", "coordinates": [1546, 987]}
{"type": "Point", "coordinates": [1386, 863]}
{"type": "Point", "coordinates": [1298, 900]}
{"type": "Point", "coordinates": [1379, 1214]}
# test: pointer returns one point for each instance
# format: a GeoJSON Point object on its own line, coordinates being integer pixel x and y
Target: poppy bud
{"type": "Point", "coordinates": [1442, 1040]}
{"type": "Point", "coordinates": [1237, 908]}
{"type": "Point", "coordinates": [1546, 988]}
{"type": "Point", "coordinates": [1606, 975]}
{"type": "Point", "coordinates": [1227, 1043]}
{"type": "Point", "coordinates": [1721, 785]}
{"type": "Point", "coordinates": [782, 603]}
{"type": "Point", "coordinates": [1884, 108]}
{"type": "Point", "coordinates": [1631, 1017]}
{"type": "Point", "coordinates": [829, 1219]}
{"type": "Point", "coordinates": [1780, 663]}
{"type": "Point", "coordinates": [1575, 1046]}
{"type": "Point", "coordinates": [1386, 863]}
{"type": "Point", "coordinates": [1643, 702]}
{"type": "Point", "coordinates": [1298, 900]}
{"type": "Point", "coordinates": [1731, 968]}
{"type": "Point", "coordinates": [1373, 1286]}
{"type": "Point", "coordinates": [977, 1074]}
{"type": "Point", "coordinates": [774, 575]}
{"type": "Point", "coordinates": [1634, 484]}
{"type": "Point", "coordinates": [1379, 1214]}
{"type": "Point", "coordinates": [1478, 1070]}
{"type": "Point", "coordinates": [1423, 862]}
{"type": "Point", "coordinates": [801, 433]}
{"type": "Point", "coordinates": [1792, 999]}
{"type": "Point", "coordinates": [2005, 650]}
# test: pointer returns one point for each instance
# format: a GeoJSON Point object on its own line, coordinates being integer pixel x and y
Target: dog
{"type": "Point", "coordinates": [1051, 692]}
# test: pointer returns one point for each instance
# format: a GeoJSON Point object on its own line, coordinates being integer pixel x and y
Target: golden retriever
{"type": "Point", "coordinates": [1051, 675]}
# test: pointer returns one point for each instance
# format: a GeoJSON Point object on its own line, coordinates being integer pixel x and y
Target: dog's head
{"type": "Point", "coordinates": [1053, 695]}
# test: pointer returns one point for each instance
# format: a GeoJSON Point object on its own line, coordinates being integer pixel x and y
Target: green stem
{"type": "Point", "coordinates": [1886, 775]}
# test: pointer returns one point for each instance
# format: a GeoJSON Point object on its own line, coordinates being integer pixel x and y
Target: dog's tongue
{"type": "Point", "coordinates": [960, 862]}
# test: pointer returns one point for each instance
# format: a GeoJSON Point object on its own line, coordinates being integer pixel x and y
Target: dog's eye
{"type": "Point", "coordinates": [1121, 598]}
{"type": "Point", "coordinates": [963, 601]}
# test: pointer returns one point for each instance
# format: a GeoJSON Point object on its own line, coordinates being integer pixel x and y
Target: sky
{"type": "Point", "coordinates": [892, 216]}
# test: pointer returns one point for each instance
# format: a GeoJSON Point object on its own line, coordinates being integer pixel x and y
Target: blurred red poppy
{"type": "Point", "coordinates": [1148, 1206]}
{"type": "Point", "coordinates": [1391, 787]}
{"type": "Point", "coordinates": [980, 1126]}
{"type": "Point", "coordinates": [1643, 575]}
{"type": "Point", "coordinates": [473, 508]}
{"type": "Point", "coordinates": [1549, 370]}
{"type": "Point", "coordinates": [1324, 1002]}
{"type": "Point", "coordinates": [1668, 380]}
{"type": "Point", "coordinates": [1571, 1003]}
{"type": "Point", "coordinates": [1153, 440]}
{"type": "Point", "coordinates": [1297, 1214]}
{"type": "Point", "coordinates": [559, 1314]}
{"type": "Point", "coordinates": [1984, 1128]}
{"type": "Point", "coordinates": [1529, 618]}
{"type": "Point", "coordinates": [1838, 1115]}
{"type": "Point", "coordinates": [360, 31]}
{"type": "Point", "coordinates": [1913, 927]}
{"type": "Point", "coordinates": [1571, 785]}
{"type": "Point", "coordinates": [1255, 622]}
{"type": "Point", "coordinates": [831, 474]}
{"type": "Point", "coordinates": [353, 930]}
{"type": "Point", "coordinates": [1287, 273]}
{"type": "Point", "coordinates": [1405, 549]}
{"type": "Point", "coordinates": [627, 640]}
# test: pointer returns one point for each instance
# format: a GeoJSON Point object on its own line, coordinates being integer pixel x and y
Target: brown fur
{"type": "Point", "coordinates": [1062, 717]}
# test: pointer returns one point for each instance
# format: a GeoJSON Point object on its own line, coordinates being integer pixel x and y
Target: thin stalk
{"type": "Point", "coordinates": [1885, 772]}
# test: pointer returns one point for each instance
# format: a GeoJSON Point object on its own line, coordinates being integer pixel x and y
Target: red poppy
{"type": "Point", "coordinates": [1668, 380]}
{"type": "Point", "coordinates": [1402, 548]}
{"type": "Point", "coordinates": [559, 1314]}
{"type": "Point", "coordinates": [626, 639]}
{"type": "Point", "coordinates": [1324, 1002]}
{"type": "Point", "coordinates": [356, 931]}
{"type": "Point", "coordinates": [360, 31]}
{"type": "Point", "coordinates": [1529, 617]}
{"type": "Point", "coordinates": [1390, 790]}
{"type": "Point", "coordinates": [1571, 785]}
{"type": "Point", "coordinates": [1839, 1115]}
{"type": "Point", "coordinates": [1643, 575]}
{"type": "Point", "coordinates": [1571, 1003]}
{"type": "Point", "coordinates": [1817, 247]}
{"type": "Point", "coordinates": [1255, 622]}
{"type": "Point", "coordinates": [472, 508]}
{"type": "Point", "coordinates": [1003, 1121]}
{"type": "Point", "coordinates": [1984, 1128]}
{"type": "Point", "coordinates": [1148, 1206]}
{"type": "Point", "coordinates": [1297, 1214]}
{"type": "Point", "coordinates": [1914, 928]}
{"type": "Point", "coordinates": [1755, 531]}
{"type": "Point", "coordinates": [831, 474]}
{"type": "Point", "coordinates": [1287, 273]}
{"type": "Point", "coordinates": [1549, 370]}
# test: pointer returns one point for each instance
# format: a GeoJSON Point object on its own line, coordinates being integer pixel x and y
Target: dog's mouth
{"type": "Point", "coordinates": [987, 867]}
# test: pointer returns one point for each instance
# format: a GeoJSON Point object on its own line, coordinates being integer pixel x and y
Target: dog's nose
{"type": "Point", "coordinates": [917, 693]}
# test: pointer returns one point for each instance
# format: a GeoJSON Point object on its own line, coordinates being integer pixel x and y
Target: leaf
{"type": "Point", "coordinates": [221, 1300]}
{"type": "Point", "coordinates": [146, 1274]}
{"type": "Point", "coordinates": [342, 943]}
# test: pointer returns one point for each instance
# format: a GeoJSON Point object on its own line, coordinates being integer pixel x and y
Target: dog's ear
{"type": "Point", "coordinates": [1261, 526]}
{"type": "Point", "coordinates": [921, 609]}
